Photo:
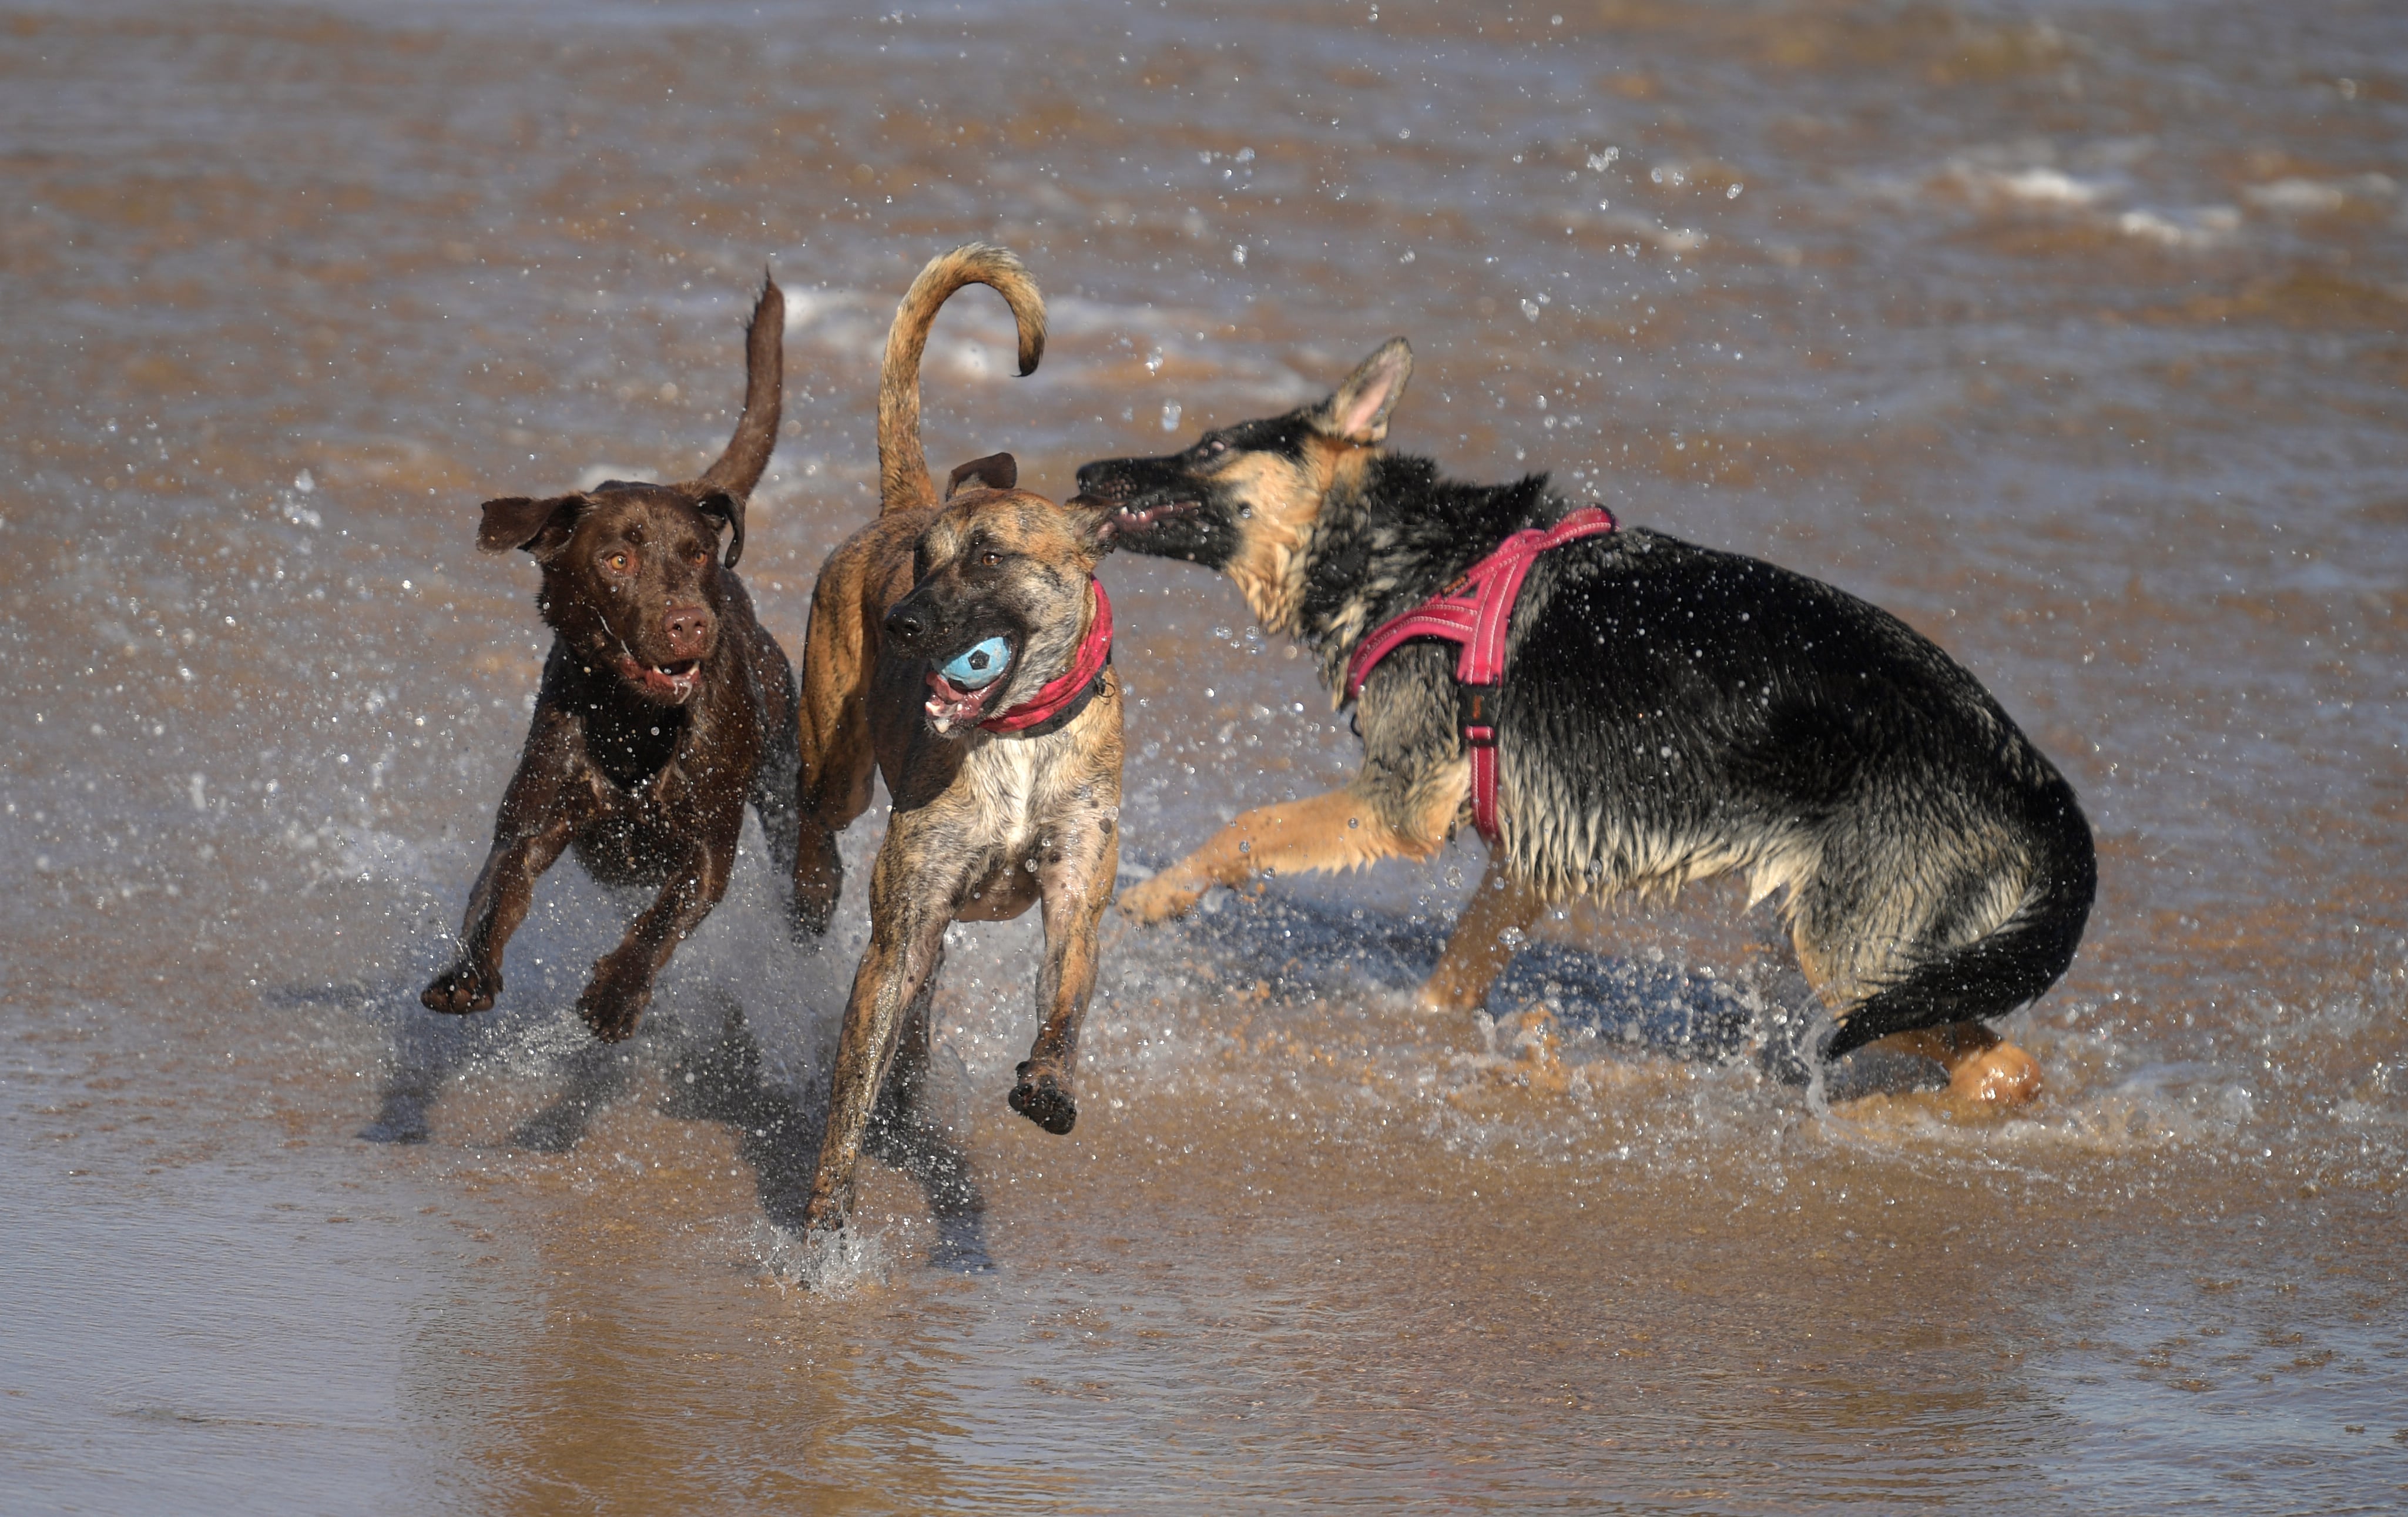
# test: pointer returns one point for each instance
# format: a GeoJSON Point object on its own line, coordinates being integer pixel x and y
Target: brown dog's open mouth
{"type": "Point", "coordinates": [670, 684]}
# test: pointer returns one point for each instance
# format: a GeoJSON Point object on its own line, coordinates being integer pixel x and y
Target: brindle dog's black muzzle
{"type": "Point", "coordinates": [966, 650]}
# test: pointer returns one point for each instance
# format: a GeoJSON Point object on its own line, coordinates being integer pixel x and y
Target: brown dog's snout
{"type": "Point", "coordinates": [688, 630]}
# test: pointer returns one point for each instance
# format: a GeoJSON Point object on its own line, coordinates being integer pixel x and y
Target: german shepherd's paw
{"type": "Point", "coordinates": [1999, 1079]}
{"type": "Point", "coordinates": [463, 988]}
{"type": "Point", "coordinates": [1044, 1099]}
{"type": "Point", "coordinates": [1159, 899]}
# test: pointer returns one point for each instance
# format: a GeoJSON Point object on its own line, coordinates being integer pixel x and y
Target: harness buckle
{"type": "Point", "coordinates": [1475, 714]}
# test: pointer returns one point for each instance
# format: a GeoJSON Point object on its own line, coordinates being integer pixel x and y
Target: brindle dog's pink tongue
{"type": "Point", "coordinates": [953, 703]}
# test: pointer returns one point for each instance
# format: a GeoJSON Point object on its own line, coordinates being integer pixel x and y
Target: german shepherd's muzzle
{"type": "Point", "coordinates": [1667, 712]}
{"type": "Point", "coordinates": [958, 648]}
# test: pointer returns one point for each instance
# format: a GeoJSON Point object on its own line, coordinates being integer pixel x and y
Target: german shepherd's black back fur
{"type": "Point", "coordinates": [1669, 712]}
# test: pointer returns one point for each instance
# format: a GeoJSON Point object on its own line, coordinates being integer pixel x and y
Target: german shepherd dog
{"type": "Point", "coordinates": [664, 708]}
{"type": "Point", "coordinates": [1667, 712]}
{"type": "Point", "coordinates": [957, 647]}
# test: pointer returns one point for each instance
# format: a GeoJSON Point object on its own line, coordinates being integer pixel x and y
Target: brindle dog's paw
{"type": "Point", "coordinates": [463, 988]}
{"type": "Point", "coordinates": [1045, 1101]}
{"type": "Point", "coordinates": [1159, 900]}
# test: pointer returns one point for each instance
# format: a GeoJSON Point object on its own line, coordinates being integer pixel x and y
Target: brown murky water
{"type": "Point", "coordinates": [2072, 333]}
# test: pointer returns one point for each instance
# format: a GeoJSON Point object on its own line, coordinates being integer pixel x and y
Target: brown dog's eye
{"type": "Point", "coordinates": [699, 557]}
{"type": "Point", "coordinates": [618, 563]}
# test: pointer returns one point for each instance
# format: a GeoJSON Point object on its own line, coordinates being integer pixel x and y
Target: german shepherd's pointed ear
{"type": "Point", "coordinates": [1358, 413]}
{"type": "Point", "coordinates": [540, 526]}
{"type": "Point", "coordinates": [727, 507]}
{"type": "Point", "coordinates": [997, 472]}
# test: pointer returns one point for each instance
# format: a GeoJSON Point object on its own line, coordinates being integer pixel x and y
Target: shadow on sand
{"type": "Point", "coordinates": [714, 1069]}
{"type": "Point", "coordinates": [715, 1074]}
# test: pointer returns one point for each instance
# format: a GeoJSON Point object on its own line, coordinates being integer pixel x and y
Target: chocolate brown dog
{"type": "Point", "coordinates": [664, 708]}
{"type": "Point", "coordinates": [961, 649]}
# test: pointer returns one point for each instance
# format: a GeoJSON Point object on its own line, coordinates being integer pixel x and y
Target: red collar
{"type": "Point", "coordinates": [1095, 651]}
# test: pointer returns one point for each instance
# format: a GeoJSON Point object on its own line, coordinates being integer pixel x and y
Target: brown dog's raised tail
{"type": "Point", "coordinates": [738, 468]}
{"type": "Point", "coordinates": [903, 481]}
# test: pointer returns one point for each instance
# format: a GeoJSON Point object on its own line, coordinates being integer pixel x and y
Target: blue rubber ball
{"type": "Point", "coordinates": [978, 667]}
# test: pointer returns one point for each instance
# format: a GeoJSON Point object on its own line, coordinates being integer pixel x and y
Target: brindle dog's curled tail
{"type": "Point", "coordinates": [903, 481]}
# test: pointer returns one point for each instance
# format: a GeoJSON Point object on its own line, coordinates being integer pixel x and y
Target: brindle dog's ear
{"type": "Point", "coordinates": [1358, 413]}
{"type": "Point", "coordinates": [514, 521]}
{"type": "Point", "coordinates": [727, 509]}
{"type": "Point", "coordinates": [997, 472]}
{"type": "Point", "coordinates": [1092, 525]}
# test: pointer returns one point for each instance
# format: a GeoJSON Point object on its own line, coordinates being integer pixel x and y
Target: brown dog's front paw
{"type": "Point", "coordinates": [1159, 899]}
{"type": "Point", "coordinates": [611, 1009]}
{"type": "Point", "coordinates": [463, 988]}
{"type": "Point", "coordinates": [1045, 1100]}
{"type": "Point", "coordinates": [819, 881]}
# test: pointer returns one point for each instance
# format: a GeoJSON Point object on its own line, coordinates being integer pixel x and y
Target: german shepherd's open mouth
{"type": "Point", "coordinates": [1132, 518]}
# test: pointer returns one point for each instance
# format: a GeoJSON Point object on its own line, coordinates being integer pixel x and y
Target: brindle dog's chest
{"type": "Point", "coordinates": [998, 819]}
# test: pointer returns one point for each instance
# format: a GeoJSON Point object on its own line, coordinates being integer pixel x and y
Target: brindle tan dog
{"type": "Point", "coordinates": [665, 707]}
{"type": "Point", "coordinates": [1006, 787]}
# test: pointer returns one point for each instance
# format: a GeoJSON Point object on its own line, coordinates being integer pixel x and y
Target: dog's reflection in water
{"type": "Point", "coordinates": [778, 1133]}
{"type": "Point", "coordinates": [717, 1077]}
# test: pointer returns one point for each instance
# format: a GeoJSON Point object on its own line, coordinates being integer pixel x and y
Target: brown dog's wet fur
{"type": "Point", "coordinates": [664, 708]}
{"type": "Point", "coordinates": [984, 825]}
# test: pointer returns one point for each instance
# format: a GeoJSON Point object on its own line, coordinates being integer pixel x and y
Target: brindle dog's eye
{"type": "Point", "coordinates": [990, 558]}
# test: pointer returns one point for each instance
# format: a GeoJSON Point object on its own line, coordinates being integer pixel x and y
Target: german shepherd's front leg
{"type": "Point", "coordinates": [1076, 889]}
{"type": "Point", "coordinates": [1502, 908]}
{"type": "Point", "coordinates": [622, 987]}
{"type": "Point", "coordinates": [1341, 829]}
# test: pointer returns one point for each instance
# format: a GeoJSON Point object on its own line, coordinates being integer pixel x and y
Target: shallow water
{"type": "Point", "coordinates": [2071, 334]}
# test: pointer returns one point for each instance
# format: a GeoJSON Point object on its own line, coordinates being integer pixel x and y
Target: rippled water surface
{"type": "Point", "coordinates": [2074, 334]}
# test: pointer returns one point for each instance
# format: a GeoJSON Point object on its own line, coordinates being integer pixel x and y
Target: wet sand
{"type": "Point", "coordinates": [2071, 335]}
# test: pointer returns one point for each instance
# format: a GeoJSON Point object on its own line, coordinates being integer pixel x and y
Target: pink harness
{"type": "Point", "coordinates": [1476, 611]}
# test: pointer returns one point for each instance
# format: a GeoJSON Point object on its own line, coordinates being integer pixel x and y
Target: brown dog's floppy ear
{"type": "Point", "coordinates": [514, 521]}
{"type": "Point", "coordinates": [1358, 413]}
{"type": "Point", "coordinates": [997, 472]}
{"type": "Point", "coordinates": [727, 507]}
